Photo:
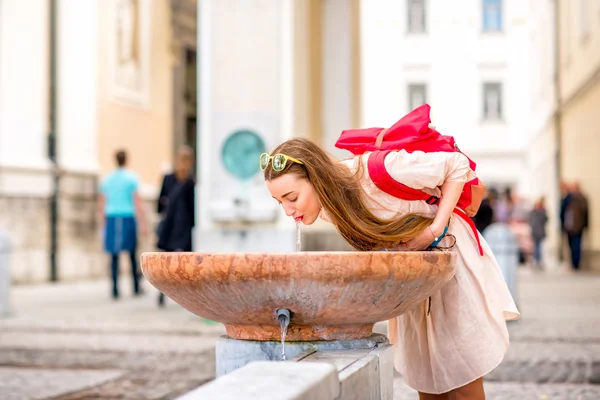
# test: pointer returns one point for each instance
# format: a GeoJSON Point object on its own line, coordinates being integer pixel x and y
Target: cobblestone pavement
{"type": "Point", "coordinates": [70, 341]}
{"type": "Point", "coordinates": [70, 375]}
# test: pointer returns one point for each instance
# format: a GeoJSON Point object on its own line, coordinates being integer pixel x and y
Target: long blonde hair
{"type": "Point", "coordinates": [343, 198]}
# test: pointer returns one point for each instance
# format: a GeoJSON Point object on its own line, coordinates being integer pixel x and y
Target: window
{"type": "Point", "coordinates": [417, 95]}
{"type": "Point", "coordinates": [492, 15]}
{"type": "Point", "coordinates": [492, 101]}
{"type": "Point", "coordinates": [416, 16]}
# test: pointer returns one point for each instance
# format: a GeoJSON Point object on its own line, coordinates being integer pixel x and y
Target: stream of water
{"type": "Point", "coordinates": [298, 237]}
{"type": "Point", "coordinates": [282, 321]}
{"type": "Point", "coordinates": [283, 332]}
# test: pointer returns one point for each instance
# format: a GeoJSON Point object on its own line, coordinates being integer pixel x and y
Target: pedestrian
{"type": "Point", "coordinates": [121, 211]}
{"type": "Point", "coordinates": [565, 196]}
{"type": "Point", "coordinates": [538, 218]}
{"type": "Point", "coordinates": [504, 207]}
{"type": "Point", "coordinates": [176, 206]}
{"type": "Point", "coordinates": [576, 221]}
{"type": "Point", "coordinates": [444, 346]}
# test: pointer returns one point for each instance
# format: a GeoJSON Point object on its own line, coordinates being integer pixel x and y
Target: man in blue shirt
{"type": "Point", "coordinates": [120, 209]}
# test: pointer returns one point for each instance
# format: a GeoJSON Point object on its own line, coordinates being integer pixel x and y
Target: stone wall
{"type": "Point", "coordinates": [26, 219]}
{"type": "Point", "coordinates": [80, 251]}
{"type": "Point", "coordinates": [580, 162]}
{"type": "Point", "coordinates": [80, 248]}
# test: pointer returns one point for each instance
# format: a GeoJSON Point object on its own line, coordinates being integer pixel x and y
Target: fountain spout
{"type": "Point", "coordinates": [283, 316]}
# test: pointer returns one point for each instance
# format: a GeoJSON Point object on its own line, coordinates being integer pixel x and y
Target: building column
{"type": "Point", "coordinates": [76, 55]}
{"type": "Point", "coordinates": [77, 61]}
{"type": "Point", "coordinates": [245, 62]}
{"type": "Point", "coordinates": [340, 64]}
{"type": "Point", "coordinates": [24, 82]}
{"type": "Point", "coordinates": [25, 182]}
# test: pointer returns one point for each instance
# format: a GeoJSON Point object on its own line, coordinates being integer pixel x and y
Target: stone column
{"type": "Point", "coordinates": [340, 71]}
{"type": "Point", "coordinates": [77, 139]}
{"type": "Point", "coordinates": [24, 82]}
{"type": "Point", "coordinates": [24, 179]}
{"type": "Point", "coordinates": [77, 53]}
{"type": "Point", "coordinates": [245, 70]}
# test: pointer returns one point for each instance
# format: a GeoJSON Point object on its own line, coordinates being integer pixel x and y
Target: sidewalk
{"type": "Point", "coordinates": [71, 341]}
{"type": "Point", "coordinates": [87, 306]}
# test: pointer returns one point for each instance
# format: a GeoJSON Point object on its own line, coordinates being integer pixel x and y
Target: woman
{"type": "Point", "coordinates": [176, 205]}
{"type": "Point", "coordinates": [444, 353]}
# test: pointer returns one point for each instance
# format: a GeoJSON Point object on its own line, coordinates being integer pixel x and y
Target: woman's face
{"type": "Point", "coordinates": [297, 196]}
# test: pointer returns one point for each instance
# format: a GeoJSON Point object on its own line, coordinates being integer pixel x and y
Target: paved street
{"type": "Point", "coordinates": [70, 341]}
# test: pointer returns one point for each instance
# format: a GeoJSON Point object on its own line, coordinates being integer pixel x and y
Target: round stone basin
{"type": "Point", "coordinates": [331, 295]}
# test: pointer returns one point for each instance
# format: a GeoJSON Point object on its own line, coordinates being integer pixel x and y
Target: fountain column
{"type": "Point", "coordinates": [232, 354]}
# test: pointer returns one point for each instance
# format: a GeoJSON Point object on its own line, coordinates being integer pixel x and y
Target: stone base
{"type": "Point", "coordinates": [356, 374]}
{"type": "Point", "coordinates": [232, 354]}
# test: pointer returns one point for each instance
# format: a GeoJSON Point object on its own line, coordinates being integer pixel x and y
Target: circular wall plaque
{"type": "Point", "coordinates": [240, 153]}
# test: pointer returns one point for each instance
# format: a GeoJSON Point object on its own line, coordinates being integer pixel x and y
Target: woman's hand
{"type": "Point", "coordinates": [425, 238]}
{"type": "Point", "coordinates": [450, 194]}
{"type": "Point", "coordinates": [421, 241]}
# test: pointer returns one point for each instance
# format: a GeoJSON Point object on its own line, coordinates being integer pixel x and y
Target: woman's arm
{"type": "Point", "coordinates": [450, 194]}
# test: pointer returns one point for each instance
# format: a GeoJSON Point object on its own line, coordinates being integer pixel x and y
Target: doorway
{"type": "Point", "coordinates": [185, 99]}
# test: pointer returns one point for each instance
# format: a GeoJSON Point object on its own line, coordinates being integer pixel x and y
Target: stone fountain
{"type": "Point", "coordinates": [328, 300]}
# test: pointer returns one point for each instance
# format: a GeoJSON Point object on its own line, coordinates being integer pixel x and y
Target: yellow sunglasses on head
{"type": "Point", "coordinates": [279, 161]}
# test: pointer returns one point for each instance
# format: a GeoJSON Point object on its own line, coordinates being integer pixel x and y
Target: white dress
{"type": "Point", "coordinates": [465, 335]}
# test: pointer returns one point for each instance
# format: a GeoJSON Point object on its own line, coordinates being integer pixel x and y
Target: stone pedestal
{"type": "Point", "coordinates": [350, 374]}
{"type": "Point", "coordinates": [232, 354]}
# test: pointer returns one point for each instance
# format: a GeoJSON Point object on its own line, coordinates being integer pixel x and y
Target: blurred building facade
{"type": "Point", "coordinates": [578, 111]}
{"type": "Point", "coordinates": [123, 75]}
{"type": "Point", "coordinates": [469, 60]}
{"type": "Point", "coordinates": [134, 74]}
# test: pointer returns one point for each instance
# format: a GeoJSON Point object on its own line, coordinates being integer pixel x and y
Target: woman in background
{"type": "Point", "coordinates": [176, 206]}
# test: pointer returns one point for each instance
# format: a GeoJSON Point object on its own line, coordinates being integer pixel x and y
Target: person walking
{"type": "Point", "coordinates": [576, 221]}
{"type": "Point", "coordinates": [120, 210]}
{"type": "Point", "coordinates": [538, 218]}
